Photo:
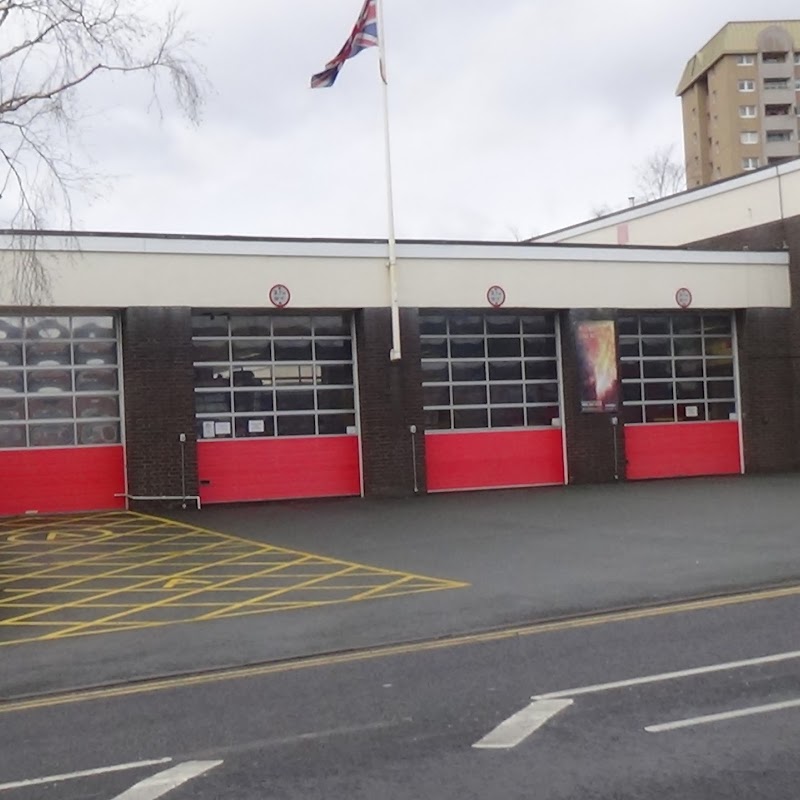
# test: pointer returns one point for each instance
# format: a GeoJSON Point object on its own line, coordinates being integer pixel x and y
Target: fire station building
{"type": "Point", "coordinates": [217, 370]}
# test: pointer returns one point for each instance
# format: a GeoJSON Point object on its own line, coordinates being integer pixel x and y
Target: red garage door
{"type": "Point", "coordinates": [60, 437]}
{"type": "Point", "coordinates": [491, 394]}
{"type": "Point", "coordinates": [680, 395]}
{"type": "Point", "coordinates": [275, 403]}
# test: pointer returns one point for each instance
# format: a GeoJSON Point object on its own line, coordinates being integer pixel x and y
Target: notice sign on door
{"type": "Point", "coordinates": [596, 342]}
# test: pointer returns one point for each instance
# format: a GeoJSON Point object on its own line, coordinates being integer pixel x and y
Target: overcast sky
{"type": "Point", "coordinates": [508, 118]}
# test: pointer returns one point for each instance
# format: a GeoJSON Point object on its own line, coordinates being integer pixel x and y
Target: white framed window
{"type": "Point", "coordinates": [745, 60]}
{"type": "Point", "coordinates": [772, 84]}
{"type": "Point", "coordinates": [677, 368]}
{"type": "Point", "coordinates": [748, 137]}
{"type": "Point", "coordinates": [749, 162]}
{"type": "Point", "coordinates": [747, 112]}
{"type": "Point", "coordinates": [492, 370]}
{"type": "Point", "coordinates": [747, 86]}
{"type": "Point", "coordinates": [273, 375]}
{"type": "Point", "coordinates": [774, 58]}
{"type": "Point", "coordinates": [59, 381]}
{"type": "Point", "coordinates": [779, 136]}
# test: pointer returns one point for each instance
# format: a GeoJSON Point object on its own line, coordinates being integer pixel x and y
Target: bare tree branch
{"type": "Point", "coordinates": [49, 51]}
{"type": "Point", "coordinates": [660, 174]}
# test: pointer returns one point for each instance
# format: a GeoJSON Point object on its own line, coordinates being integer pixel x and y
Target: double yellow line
{"type": "Point", "coordinates": [392, 651]}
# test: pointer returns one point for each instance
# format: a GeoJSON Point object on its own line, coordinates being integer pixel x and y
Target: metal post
{"type": "Point", "coordinates": [614, 424]}
{"type": "Point", "coordinates": [413, 429]}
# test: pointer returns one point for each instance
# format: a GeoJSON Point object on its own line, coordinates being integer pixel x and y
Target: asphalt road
{"type": "Point", "coordinates": [402, 725]}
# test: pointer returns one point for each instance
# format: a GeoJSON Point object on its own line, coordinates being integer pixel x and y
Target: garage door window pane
{"type": "Point", "coordinates": [332, 325]}
{"type": "Point", "coordinates": [12, 409]}
{"type": "Point", "coordinates": [435, 372]}
{"type": "Point", "coordinates": [96, 380]}
{"type": "Point", "coordinates": [506, 394]}
{"type": "Point", "coordinates": [291, 326]}
{"type": "Point", "coordinates": [436, 396]}
{"type": "Point", "coordinates": [508, 417]}
{"type": "Point", "coordinates": [245, 402]}
{"type": "Point", "coordinates": [333, 350]}
{"type": "Point", "coordinates": [50, 408]}
{"type": "Point", "coordinates": [12, 436]}
{"type": "Point", "coordinates": [465, 323]}
{"type": "Point", "coordinates": [62, 435]}
{"type": "Point", "coordinates": [469, 395]}
{"type": "Point", "coordinates": [470, 418]}
{"type": "Point", "coordinates": [49, 381]}
{"type": "Point", "coordinates": [292, 350]}
{"type": "Point", "coordinates": [97, 433]}
{"type": "Point", "coordinates": [505, 370]}
{"type": "Point", "coordinates": [12, 382]}
{"type": "Point", "coordinates": [335, 424]}
{"type": "Point", "coordinates": [207, 325]}
{"type": "Point", "coordinates": [505, 348]}
{"type": "Point", "coordinates": [250, 326]}
{"type": "Point", "coordinates": [467, 348]}
{"type": "Point", "coordinates": [244, 350]}
{"type": "Point", "coordinates": [469, 371]}
{"type": "Point", "coordinates": [10, 328]}
{"type": "Point", "coordinates": [255, 427]}
{"type": "Point", "coordinates": [336, 399]}
{"type": "Point", "coordinates": [105, 407]}
{"type": "Point", "coordinates": [48, 354]}
{"type": "Point", "coordinates": [95, 354]}
{"type": "Point", "coordinates": [296, 425]}
{"type": "Point", "coordinates": [542, 416]}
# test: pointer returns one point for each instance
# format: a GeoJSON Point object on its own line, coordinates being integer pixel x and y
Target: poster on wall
{"type": "Point", "coordinates": [596, 342]}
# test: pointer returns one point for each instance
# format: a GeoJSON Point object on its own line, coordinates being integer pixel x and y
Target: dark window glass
{"type": "Point", "coordinates": [504, 348]}
{"type": "Point", "coordinates": [436, 395]}
{"type": "Point", "coordinates": [333, 350]}
{"type": "Point", "coordinates": [218, 428]}
{"type": "Point", "coordinates": [633, 415]}
{"type": "Point", "coordinates": [466, 323]}
{"type": "Point", "coordinates": [48, 354]}
{"type": "Point", "coordinates": [335, 424]}
{"type": "Point", "coordinates": [691, 412]}
{"type": "Point", "coordinates": [93, 328]}
{"type": "Point", "coordinates": [95, 433]}
{"type": "Point", "coordinates": [11, 382]}
{"type": "Point", "coordinates": [688, 347]}
{"type": "Point", "coordinates": [505, 370]}
{"type": "Point", "coordinates": [342, 399]}
{"type": "Point", "coordinates": [210, 351]}
{"type": "Point", "coordinates": [434, 348]}
{"type": "Point", "coordinates": [10, 328]}
{"type": "Point", "coordinates": [294, 401]}
{"type": "Point", "coordinates": [508, 417]}
{"type": "Point", "coordinates": [539, 323]}
{"type": "Point", "coordinates": [687, 324]}
{"type": "Point", "coordinates": [95, 353]}
{"type": "Point", "coordinates": [688, 369]}
{"type": "Point", "coordinates": [720, 411]}
{"type": "Point", "coordinates": [435, 420]}
{"type": "Point", "coordinates": [332, 325]}
{"type": "Point", "coordinates": [541, 370]}
{"type": "Point", "coordinates": [47, 380]}
{"type": "Point", "coordinates": [50, 408]}
{"type": "Point", "coordinates": [467, 348]}
{"type": "Point", "coordinates": [629, 348]}
{"type": "Point", "coordinates": [719, 368]}
{"type": "Point", "coordinates": [719, 346]}
{"type": "Point", "coordinates": [503, 394]}
{"type": "Point", "coordinates": [630, 369]}
{"type": "Point", "coordinates": [10, 355]}
{"type": "Point", "coordinates": [211, 376]}
{"type": "Point", "coordinates": [631, 392]}
{"type": "Point", "coordinates": [501, 324]}
{"type": "Point", "coordinates": [291, 326]}
{"type": "Point", "coordinates": [541, 393]}
{"type": "Point", "coordinates": [655, 326]}
{"type": "Point", "coordinates": [292, 350]}
{"type": "Point", "coordinates": [469, 371]}
{"type": "Point", "coordinates": [628, 326]}
{"type": "Point", "coordinates": [212, 402]}
{"type": "Point", "coordinates": [244, 402]}
{"type": "Point", "coordinates": [435, 372]}
{"type": "Point", "coordinates": [656, 347]}
{"type": "Point", "coordinates": [12, 436]}
{"type": "Point", "coordinates": [657, 369]}
{"type": "Point", "coordinates": [540, 347]}
{"type": "Point", "coordinates": [335, 374]}
{"type": "Point", "coordinates": [251, 350]}
{"type": "Point", "coordinates": [721, 389]}
{"type": "Point", "coordinates": [542, 416]}
{"type": "Point", "coordinates": [47, 328]}
{"type": "Point", "coordinates": [88, 407]}
{"type": "Point", "coordinates": [254, 427]}
{"type": "Point", "coordinates": [658, 391]}
{"type": "Point", "coordinates": [432, 324]}
{"type": "Point", "coordinates": [661, 413]}
{"type": "Point", "coordinates": [469, 395]}
{"type": "Point", "coordinates": [298, 425]}
{"type": "Point", "coordinates": [12, 409]}
{"type": "Point", "coordinates": [690, 390]}
{"type": "Point", "coordinates": [206, 325]}
{"type": "Point", "coordinates": [470, 418]}
{"type": "Point", "coordinates": [716, 324]}
{"type": "Point", "coordinates": [61, 435]}
{"type": "Point", "coordinates": [95, 380]}
{"type": "Point", "coordinates": [289, 375]}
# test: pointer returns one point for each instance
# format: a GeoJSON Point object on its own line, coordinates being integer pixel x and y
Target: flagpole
{"type": "Point", "coordinates": [395, 353]}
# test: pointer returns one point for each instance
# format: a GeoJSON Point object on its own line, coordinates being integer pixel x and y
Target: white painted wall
{"type": "Point", "coordinates": [120, 272]}
{"type": "Point", "coordinates": [755, 199]}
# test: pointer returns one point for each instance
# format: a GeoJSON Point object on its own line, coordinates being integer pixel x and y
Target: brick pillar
{"type": "Point", "coordinates": [159, 402]}
{"type": "Point", "coordinates": [391, 401]}
{"type": "Point", "coordinates": [590, 437]}
{"type": "Point", "coordinates": [766, 379]}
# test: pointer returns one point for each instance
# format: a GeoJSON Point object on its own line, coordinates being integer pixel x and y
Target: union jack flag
{"type": "Point", "coordinates": [365, 34]}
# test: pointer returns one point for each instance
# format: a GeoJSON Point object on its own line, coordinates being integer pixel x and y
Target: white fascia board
{"type": "Point", "coordinates": [460, 251]}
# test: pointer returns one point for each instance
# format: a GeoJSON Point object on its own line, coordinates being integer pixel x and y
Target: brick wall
{"type": "Point", "coordinates": [391, 401]}
{"type": "Point", "coordinates": [159, 401]}
{"type": "Point", "coordinates": [769, 356]}
{"type": "Point", "coordinates": [590, 437]}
